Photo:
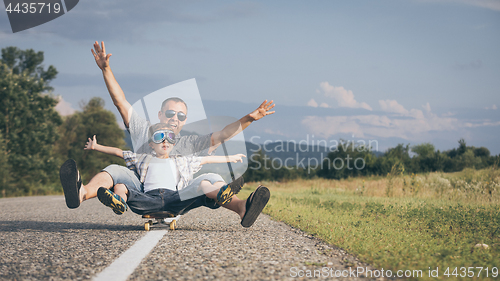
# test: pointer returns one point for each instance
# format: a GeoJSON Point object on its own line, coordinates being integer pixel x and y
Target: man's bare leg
{"type": "Point", "coordinates": [102, 179]}
{"type": "Point", "coordinates": [259, 199]}
{"type": "Point", "coordinates": [236, 205]}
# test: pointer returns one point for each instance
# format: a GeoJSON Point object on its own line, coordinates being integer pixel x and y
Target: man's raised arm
{"type": "Point", "coordinates": [235, 128]}
{"type": "Point", "coordinates": [114, 89]}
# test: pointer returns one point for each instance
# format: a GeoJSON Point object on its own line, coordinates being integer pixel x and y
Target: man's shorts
{"type": "Point", "coordinates": [124, 175]}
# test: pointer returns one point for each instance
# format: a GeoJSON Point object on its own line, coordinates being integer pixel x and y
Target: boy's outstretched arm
{"type": "Point", "coordinates": [93, 145]}
{"type": "Point", "coordinates": [114, 89]}
{"type": "Point", "coordinates": [236, 127]}
{"type": "Point", "coordinates": [222, 159]}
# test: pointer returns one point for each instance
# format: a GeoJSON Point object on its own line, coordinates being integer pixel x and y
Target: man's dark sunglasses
{"type": "Point", "coordinates": [180, 115]}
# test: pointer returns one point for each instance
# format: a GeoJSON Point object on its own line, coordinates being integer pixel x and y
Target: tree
{"type": "Point", "coordinates": [28, 120]}
{"type": "Point", "coordinates": [394, 156]}
{"type": "Point", "coordinates": [423, 150]}
{"type": "Point", "coordinates": [348, 161]}
{"type": "Point", "coordinates": [462, 146]}
{"type": "Point", "coordinates": [425, 161]}
{"type": "Point", "coordinates": [482, 152]}
{"type": "Point", "coordinates": [4, 168]}
{"type": "Point", "coordinates": [77, 128]}
{"type": "Point", "coordinates": [29, 63]}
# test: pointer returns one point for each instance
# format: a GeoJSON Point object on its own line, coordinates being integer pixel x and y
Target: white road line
{"type": "Point", "coordinates": [125, 265]}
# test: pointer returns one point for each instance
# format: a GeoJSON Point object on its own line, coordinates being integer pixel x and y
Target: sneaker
{"type": "Point", "coordinates": [227, 192]}
{"type": "Point", "coordinates": [114, 201]}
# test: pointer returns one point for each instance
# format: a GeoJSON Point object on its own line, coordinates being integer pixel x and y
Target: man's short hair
{"type": "Point", "coordinates": [174, 99]}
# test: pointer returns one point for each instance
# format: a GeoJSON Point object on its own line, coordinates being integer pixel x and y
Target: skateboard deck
{"type": "Point", "coordinates": [161, 219]}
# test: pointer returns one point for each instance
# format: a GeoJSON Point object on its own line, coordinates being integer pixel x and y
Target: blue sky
{"type": "Point", "coordinates": [394, 71]}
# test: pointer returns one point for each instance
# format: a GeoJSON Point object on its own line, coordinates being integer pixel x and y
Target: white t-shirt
{"type": "Point", "coordinates": [162, 173]}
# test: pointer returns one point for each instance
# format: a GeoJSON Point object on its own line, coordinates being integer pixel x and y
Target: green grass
{"type": "Point", "coordinates": [438, 226]}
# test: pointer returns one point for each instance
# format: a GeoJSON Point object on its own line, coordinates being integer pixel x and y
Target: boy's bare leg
{"type": "Point", "coordinates": [121, 190]}
{"type": "Point", "coordinates": [115, 200]}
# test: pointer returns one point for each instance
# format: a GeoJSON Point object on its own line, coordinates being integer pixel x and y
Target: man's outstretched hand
{"type": "Point", "coordinates": [234, 128]}
{"type": "Point", "coordinates": [100, 56]}
{"type": "Point", "coordinates": [262, 110]}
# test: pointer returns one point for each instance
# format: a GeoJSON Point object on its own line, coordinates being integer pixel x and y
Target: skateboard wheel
{"type": "Point", "coordinates": [172, 225]}
{"type": "Point", "coordinates": [147, 226]}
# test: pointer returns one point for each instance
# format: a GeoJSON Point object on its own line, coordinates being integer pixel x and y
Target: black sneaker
{"type": "Point", "coordinates": [71, 183]}
{"type": "Point", "coordinates": [227, 192]}
{"type": "Point", "coordinates": [114, 201]}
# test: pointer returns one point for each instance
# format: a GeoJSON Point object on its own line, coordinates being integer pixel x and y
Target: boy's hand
{"type": "Point", "coordinates": [236, 158]}
{"type": "Point", "coordinates": [100, 56]}
{"type": "Point", "coordinates": [262, 110]}
{"type": "Point", "coordinates": [91, 143]}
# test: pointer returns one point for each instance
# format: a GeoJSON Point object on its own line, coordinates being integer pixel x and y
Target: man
{"type": "Point", "coordinates": [171, 112]}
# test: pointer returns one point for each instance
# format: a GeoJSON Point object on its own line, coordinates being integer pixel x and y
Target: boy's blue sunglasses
{"type": "Point", "coordinates": [161, 135]}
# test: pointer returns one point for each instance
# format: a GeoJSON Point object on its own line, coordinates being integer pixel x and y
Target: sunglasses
{"type": "Point", "coordinates": [180, 115]}
{"type": "Point", "coordinates": [161, 135]}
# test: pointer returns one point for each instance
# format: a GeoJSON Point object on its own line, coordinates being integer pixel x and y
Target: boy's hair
{"type": "Point", "coordinates": [156, 127]}
{"type": "Point", "coordinates": [174, 99]}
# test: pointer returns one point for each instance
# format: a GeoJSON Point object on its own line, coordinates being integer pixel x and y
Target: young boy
{"type": "Point", "coordinates": [168, 183]}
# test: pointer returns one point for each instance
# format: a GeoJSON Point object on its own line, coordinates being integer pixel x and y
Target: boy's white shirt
{"type": "Point", "coordinates": [162, 173]}
{"type": "Point", "coordinates": [186, 166]}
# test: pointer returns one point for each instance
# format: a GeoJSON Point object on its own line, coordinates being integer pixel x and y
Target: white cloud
{"type": "Point", "coordinates": [344, 98]}
{"type": "Point", "coordinates": [416, 113]}
{"type": "Point", "coordinates": [493, 107]}
{"type": "Point", "coordinates": [392, 106]}
{"type": "Point", "coordinates": [379, 126]}
{"type": "Point", "coordinates": [330, 125]}
{"type": "Point", "coordinates": [324, 104]}
{"type": "Point", "coordinates": [427, 107]}
{"type": "Point", "coordinates": [312, 103]}
{"type": "Point", "coordinates": [63, 107]}
{"type": "Point", "coordinates": [482, 124]}
{"type": "Point", "coordinates": [412, 125]}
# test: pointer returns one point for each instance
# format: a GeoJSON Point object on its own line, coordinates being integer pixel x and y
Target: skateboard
{"type": "Point", "coordinates": [161, 218]}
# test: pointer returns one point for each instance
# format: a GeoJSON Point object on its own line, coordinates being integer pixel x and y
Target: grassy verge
{"type": "Point", "coordinates": [401, 222]}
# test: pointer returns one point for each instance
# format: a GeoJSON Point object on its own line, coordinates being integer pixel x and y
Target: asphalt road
{"type": "Point", "coordinates": [41, 239]}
